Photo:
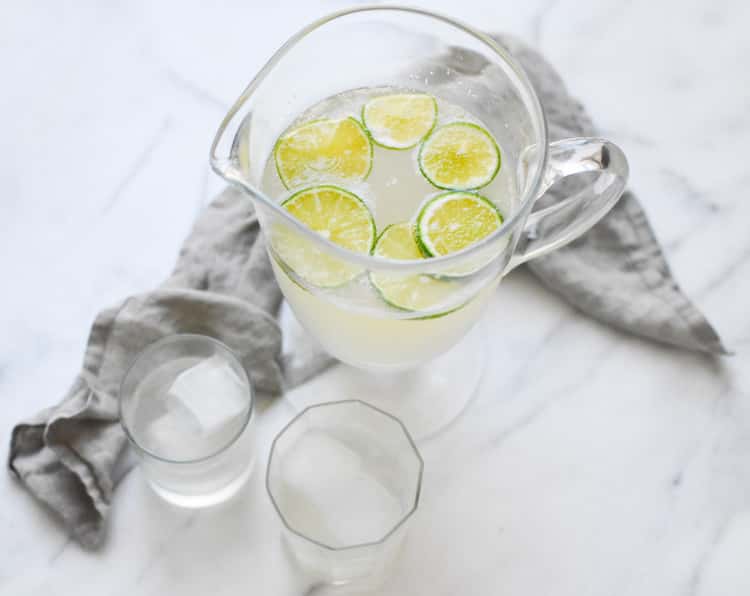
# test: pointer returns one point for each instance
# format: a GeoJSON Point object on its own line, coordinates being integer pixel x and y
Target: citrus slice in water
{"type": "Point", "coordinates": [401, 120]}
{"type": "Point", "coordinates": [406, 292]}
{"type": "Point", "coordinates": [337, 215]}
{"type": "Point", "coordinates": [323, 150]}
{"type": "Point", "coordinates": [459, 156]}
{"type": "Point", "coordinates": [454, 220]}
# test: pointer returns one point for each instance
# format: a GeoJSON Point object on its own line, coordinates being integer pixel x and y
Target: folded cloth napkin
{"type": "Point", "coordinates": [223, 286]}
{"type": "Point", "coordinates": [617, 272]}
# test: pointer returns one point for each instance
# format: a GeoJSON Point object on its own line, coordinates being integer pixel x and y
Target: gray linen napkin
{"type": "Point", "coordinates": [616, 272]}
{"type": "Point", "coordinates": [222, 286]}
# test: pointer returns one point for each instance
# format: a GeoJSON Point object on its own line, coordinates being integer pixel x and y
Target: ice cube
{"type": "Point", "coordinates": [369, 512]}
{"type": "Point", "coordinates": [173, 435]}
{"type": "Point", "coordinates": [332, 496]}
{"type": "Point", "coordinates": [213, 393]}
{"type": "Point", "coordinates": [318, 457]}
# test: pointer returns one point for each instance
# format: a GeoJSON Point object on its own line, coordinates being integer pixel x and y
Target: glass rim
{"type": "Point", "coordinates": [404, 517]}
{"type": "Point", "coordinates": [155, 346]}
{"type": "Point", "coordinates": [366, 260]}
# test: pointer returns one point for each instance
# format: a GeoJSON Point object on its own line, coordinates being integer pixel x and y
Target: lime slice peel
{"type": "Point", "coordinates": [459, 156]}
{"type": "Point", "coordinates": [324, 149]}
{"type": "Point", "coordinates": [408, 292]}
{"type": "Point", "coordinates": [400, 121]}
{"type": "Point", "coordinates": [454, 220]}
{"type": "Point", "coordinates": [337, 215]}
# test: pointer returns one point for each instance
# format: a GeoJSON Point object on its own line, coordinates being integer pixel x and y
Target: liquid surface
{"type": "Point", "coordinates": [395, 188]}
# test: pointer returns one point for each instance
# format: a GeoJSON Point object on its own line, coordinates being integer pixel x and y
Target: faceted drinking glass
{"type": "Point", "coordinates": [345, 479]}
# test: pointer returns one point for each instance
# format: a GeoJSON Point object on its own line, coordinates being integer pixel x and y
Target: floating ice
{"type": "Point", "coordinates": [330, 495]}
{"type": "Point", "coordinates": [174, 434]}
{"type": "Point", "coordinates": [213, 393]}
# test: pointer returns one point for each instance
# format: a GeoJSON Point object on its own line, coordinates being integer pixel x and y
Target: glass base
{"type": "Point", "coordinates": [426, 399]}
{"type": "Point", "coordinates": [192, 501]}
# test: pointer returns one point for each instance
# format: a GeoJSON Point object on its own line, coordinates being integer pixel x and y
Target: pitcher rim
{"type": "Point", "coordinates": [367, 260]}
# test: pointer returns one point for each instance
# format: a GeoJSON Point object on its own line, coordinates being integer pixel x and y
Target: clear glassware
{"type": "Point", "coordinates": [345, 479]}
{"type": "Point", "coordinates": [410, 48]}
{"type": "Point", "coordinates": [186, 405]}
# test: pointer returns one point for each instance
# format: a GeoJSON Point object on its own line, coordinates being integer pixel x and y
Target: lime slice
{"type": "Point", "coordinates": [459, 156]}
{"type": "Point", "coordinates": [407, 292]}
{"type": "Point", "coordinates": [454, 220]}
{"type": "Point", "coordinates": [336, 214]}
{"type": "Point", "coordinates": [323, 149]}
{"type": "Point", "coordinates": [400, 121]}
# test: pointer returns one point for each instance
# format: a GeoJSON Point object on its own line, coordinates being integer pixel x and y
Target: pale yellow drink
{"type": "Point", "coordinates": [353, 321]}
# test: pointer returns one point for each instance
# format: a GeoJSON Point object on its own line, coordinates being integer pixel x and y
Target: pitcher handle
{"type": "Point", "coordinates": [552, 227]}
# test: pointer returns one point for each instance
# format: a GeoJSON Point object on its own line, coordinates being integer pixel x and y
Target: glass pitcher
{"type": "Point", "coordinates": [421, 364]}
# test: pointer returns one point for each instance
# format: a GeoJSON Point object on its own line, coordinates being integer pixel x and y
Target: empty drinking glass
{"type": "Point", "coordinates": [345, 479]}
{"type": "Point", "coordinates": [186, 405]}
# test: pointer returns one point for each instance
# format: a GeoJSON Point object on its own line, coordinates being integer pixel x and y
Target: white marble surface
{"type": "Point", "coordinates": [591, 463]}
